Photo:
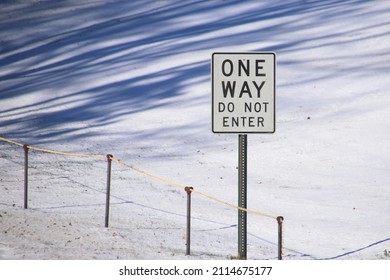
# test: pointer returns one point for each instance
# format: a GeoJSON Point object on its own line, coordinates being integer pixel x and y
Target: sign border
{"type": "Point", "coordinates": [212, 93]}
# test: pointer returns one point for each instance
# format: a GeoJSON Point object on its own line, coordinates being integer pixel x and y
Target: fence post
{"type": "Point", "coordinates": [108, 189]}
{"type": "Point", "coordinates": [280, 220]}
{"type": "Point", "coordinates": [25, 148]}
{"type": "Point", "coordinates": [188, 235]}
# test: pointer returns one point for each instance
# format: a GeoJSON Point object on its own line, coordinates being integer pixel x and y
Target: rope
{"type": "Point", "coordinates": [66, 153]}
{"type": "Point", "coordinates": [197, 192]}
{"type": "Point", "coordinates": [11, 142]}
{"type": "Point", "coordinates": [149, 175]}
{"type": "Point", "coordinates": [234, 206]}
{"type": "Point", "coordinates": [139, 171]}
{"type": "Point", "coordinates": [52, 151]}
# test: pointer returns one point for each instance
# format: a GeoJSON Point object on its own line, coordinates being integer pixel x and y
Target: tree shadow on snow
{"type": "Point", "coordinates": [72, 69]}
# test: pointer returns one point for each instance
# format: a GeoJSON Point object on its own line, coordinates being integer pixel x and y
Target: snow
{"type": "Point", "coordinates": [132, 79]}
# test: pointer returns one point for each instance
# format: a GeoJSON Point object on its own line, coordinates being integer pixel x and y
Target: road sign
{"type": "Point", "coordinates": [243, 88]}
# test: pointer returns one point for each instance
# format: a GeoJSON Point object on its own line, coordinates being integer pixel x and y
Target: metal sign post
{"type": "Point", "coordinates": [243, 101]}
{"type": "Point", "coordinates": [242, 195]}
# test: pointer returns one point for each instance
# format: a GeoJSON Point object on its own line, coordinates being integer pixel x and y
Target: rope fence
{"type": "Point", "coordinates": [109, 158]}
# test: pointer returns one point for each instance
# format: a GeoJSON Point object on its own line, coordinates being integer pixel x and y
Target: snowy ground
{"type": "Point", "coordinates": [132, 78]}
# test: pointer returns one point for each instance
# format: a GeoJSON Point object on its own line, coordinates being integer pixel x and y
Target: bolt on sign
{"type": "Point", "coordinates": [243, 90]}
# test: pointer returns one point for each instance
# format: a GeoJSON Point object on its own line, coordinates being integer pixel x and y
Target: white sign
{"type": "Point", "coordinates": [243, 88]}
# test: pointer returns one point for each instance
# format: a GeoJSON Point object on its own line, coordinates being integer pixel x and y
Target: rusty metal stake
{"type": "Point", "coordinates": [189, 191]}
{"type": "Point", "coordinates": [280, 220]}
{"type": "Point", "coordinates": [108, 189]}
{"type": "Point", "coordinates": [25, 147]}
